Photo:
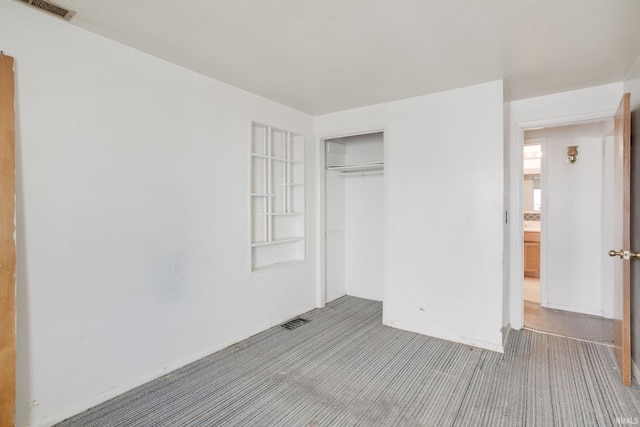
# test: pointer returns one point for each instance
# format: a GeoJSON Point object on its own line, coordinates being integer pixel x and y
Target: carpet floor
{"type": "Point", "coordinates": [344, 368]}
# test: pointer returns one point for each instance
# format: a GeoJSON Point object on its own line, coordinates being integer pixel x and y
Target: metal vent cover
{"type": "Point", "coordinates": [294, 323]}
{"type": "Point", "coordinates": [51, 8]}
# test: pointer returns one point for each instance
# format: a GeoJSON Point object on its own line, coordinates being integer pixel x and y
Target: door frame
{"type": "Point", "coordinates": [516, 207]}
{"type": "Point", "coordinates": [542, 141]}
{"type": "Point", "coordinates": [321, 229]}
{"type": "Point", "coordinates": [8, 256]}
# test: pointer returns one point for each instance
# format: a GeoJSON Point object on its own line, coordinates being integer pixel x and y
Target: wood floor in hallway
{"type": "Point", "coordinates": [561, 322]}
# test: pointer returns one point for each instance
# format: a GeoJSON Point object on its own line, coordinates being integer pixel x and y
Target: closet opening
{"type": "Point", "coordinates": [353, 224]}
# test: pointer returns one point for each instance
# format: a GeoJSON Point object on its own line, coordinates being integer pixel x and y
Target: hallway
{"type": "Point", "coordinates": [560, 322]}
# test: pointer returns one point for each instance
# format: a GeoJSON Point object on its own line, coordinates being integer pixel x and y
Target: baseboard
{"type": "Point", "coordinates": [150, 376]}
{"type": "Point", "coordinates": [597, 313]}
{"type": "Point", "coordinates": [506, 330]}
{"type": "Point", "coordinates": [448, 337]}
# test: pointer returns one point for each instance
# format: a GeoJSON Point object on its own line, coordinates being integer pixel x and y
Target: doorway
{"type": "Point", "coordinates": [532, 202]}
{"type": "Point", "coordinates": [568, 292]}
{"type": "Point", "coordinates": [352, 228]}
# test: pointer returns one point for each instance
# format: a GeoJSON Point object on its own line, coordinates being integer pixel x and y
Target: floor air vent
{"type": "Point", "coordinates": [292, 324]}
{"type": "Point", "coordinates": [52, 8]}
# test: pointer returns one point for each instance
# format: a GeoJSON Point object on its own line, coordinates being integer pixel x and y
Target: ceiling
{"type": "Point", "coordinates": [321, 56]}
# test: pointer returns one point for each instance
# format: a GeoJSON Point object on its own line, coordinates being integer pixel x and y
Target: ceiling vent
{"type": "Point", "coordinates": [52, 8]}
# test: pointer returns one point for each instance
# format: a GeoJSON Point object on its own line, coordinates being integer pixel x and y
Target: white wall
{"type": "Point", "coordinates": [573, 255]}
{"type": "Point", "coordinates": [527, 191]}
{"type": "Point", "coordinates": [444, 175]}
{"type": "Point", "coordinates": [506, 231]}
{"type": "Point", "coordinates": [335, 214]}
{"type": "Point", "coordinates": [567, 107]}
{"type": "Point", "coordinates": [132, 215]}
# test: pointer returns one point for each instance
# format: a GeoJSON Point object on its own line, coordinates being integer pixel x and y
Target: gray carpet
{"type": "Point", "coordinates": [345, 369]}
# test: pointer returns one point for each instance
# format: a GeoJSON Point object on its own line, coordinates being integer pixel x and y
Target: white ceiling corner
{"type": "Point", "coordinates": [330, 55]}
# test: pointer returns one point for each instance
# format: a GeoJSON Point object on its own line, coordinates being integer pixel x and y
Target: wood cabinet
{"type": "Point", "coordinates": [532, 254]}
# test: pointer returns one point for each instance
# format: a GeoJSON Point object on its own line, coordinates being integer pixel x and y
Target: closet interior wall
{"type": "Point", "coordinates": [355, 217]}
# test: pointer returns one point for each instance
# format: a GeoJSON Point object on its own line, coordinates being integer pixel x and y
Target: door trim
{"type": "Point", "coordinates": [321, 237]}
{"type": "Point", "coordinates": [542, 141]}
{"type": "Point", "coordinates": [7, 243]}
{"type": "Point", "coordinates": [516, 208]}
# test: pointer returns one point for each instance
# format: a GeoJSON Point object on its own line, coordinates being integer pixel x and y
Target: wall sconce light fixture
{"type": "Point", "coordinates": [572, 154]}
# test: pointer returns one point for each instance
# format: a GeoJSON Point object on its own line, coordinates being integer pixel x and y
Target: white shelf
{"type": "Point", "coordinates": [277, 265]}
{"type": "Point", "coordinates": [283, 213]}
{"type": "Point", "coordinates": [278, 159]}
{"type": "Point", "coordinates": [277, 197]}
{"type": "Point", "coordinates": [277, 242]}
{"type": "Point", "coordinates": [358, 167]}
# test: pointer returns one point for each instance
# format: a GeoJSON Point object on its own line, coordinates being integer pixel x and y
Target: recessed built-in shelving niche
{"type": "Point", "coordinates": [277, 197]}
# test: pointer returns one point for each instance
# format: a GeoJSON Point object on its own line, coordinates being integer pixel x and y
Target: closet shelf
{"type": "Point", "coordinates": [277, 197]}
{"type": "Point", "coordinates": [357, 168]}
{"type": "Point", "coordinates": [277, 241]}
{"type": "Point", "coordinates": [277, 265]}
{"type": "Point", "coordinates": [278, 159]}
{"type": "Point", "coordinates": [282, 213]}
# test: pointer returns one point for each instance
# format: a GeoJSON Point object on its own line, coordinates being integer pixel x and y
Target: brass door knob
{"type": "Point", "coordinates": [615, 253]}
{"type": "Point", "coordinates": [624, 254]}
